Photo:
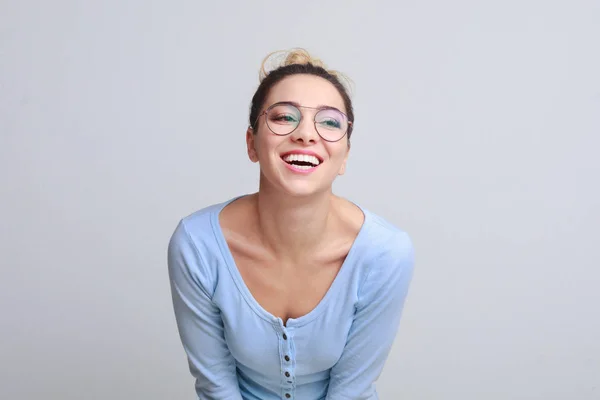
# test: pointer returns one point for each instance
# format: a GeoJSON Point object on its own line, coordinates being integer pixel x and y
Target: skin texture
{"type": "Point", "coordinates": [290, 238]}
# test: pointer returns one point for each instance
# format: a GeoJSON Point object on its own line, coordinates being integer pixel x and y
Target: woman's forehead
{"type": "Point", "coordinates": [306, 90]}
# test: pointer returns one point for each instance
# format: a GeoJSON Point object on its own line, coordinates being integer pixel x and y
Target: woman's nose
{"type": "Point", "coordinates": [305, 132]}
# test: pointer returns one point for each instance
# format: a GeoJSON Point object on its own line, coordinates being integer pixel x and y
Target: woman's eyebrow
{"type": "Point", "coordinates": [319, 107]}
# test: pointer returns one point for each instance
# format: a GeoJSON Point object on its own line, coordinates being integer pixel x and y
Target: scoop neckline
{"type": "Point", "coordinates": [245, 291]}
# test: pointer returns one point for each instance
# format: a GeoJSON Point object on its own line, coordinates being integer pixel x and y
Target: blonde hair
{"type": "Point", "coordinates": [283, 58]}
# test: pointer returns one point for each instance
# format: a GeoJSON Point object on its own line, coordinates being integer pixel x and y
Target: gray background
{"type": "Point", "coordinates": [477, 132]}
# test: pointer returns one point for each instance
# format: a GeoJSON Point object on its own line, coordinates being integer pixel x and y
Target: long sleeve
{"type": "Point", "coordinates": [377, 317]}
{"type": "Point", "coordinates": [199, 322]}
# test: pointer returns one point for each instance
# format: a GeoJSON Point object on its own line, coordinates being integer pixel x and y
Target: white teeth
{"type": "Point", "coordinates": [302, 157]}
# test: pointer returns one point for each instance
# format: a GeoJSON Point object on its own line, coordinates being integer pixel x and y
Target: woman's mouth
{"type": "Point", "coordinates": [301, 162]}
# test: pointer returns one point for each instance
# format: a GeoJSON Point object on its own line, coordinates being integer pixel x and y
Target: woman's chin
{"type": "Point", "coordinates": [304, 189]}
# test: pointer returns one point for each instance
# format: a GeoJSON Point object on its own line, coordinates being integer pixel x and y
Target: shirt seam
{"type": "Point", "coordinates": [200, 258]}
{"type": "Point", "coordinates": [371, 267]}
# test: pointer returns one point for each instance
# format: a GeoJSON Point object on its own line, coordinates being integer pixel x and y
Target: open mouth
{"type": "Point", "coordinates": [302, 161]}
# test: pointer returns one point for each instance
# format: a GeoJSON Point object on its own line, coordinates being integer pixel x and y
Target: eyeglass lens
{"type": "Point", "coordinates": [283, 119]}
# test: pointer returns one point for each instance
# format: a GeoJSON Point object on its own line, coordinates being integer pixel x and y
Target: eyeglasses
{"type": "Point", "coordinates": [283, 118]}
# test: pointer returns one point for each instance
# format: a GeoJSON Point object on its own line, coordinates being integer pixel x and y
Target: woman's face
{"type": "Point", "coordinates": [281, 158]}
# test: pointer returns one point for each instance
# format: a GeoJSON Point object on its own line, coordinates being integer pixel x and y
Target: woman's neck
{"type": "Point", "coordinates": [293, 227]}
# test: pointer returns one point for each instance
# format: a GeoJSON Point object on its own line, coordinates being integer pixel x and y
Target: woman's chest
{"type": "Point", "coordinates": [287, 290]}
{"type": "Point", "coordinates": [266, 349]}
{"type": "Point", "coordinates": [303, 351]}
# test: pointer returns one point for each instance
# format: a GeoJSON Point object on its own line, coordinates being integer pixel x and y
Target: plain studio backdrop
{"type": "Point", "coordinates": [477, 132]}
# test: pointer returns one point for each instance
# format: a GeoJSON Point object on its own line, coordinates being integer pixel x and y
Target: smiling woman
{"type": "Point", "coordinates": [291, 292]}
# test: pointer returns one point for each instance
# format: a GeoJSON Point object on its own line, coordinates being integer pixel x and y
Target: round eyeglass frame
{"type": "Point", "coordinates": [302, 116]}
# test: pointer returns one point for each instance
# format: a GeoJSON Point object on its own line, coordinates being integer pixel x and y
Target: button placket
{"type": "Point", "coordinates": [287, 364]}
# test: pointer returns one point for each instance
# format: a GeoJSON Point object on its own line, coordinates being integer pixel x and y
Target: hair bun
{"type": "Point", "coordinates": [301, 56]}
{"type": "Point", "coordinates": [283, 58]}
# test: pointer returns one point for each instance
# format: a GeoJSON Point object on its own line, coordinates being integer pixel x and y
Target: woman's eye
{"type": "Point", "coordinates": [285, 118]}
{"type": "Point", "coordinates": [330, 123]}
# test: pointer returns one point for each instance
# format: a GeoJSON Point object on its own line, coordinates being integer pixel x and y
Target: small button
{"type": "Point", "coordinates": [287, 358]}
{"type": "Point", "coordinates": [287, 395]}
{"type": "Point", "coordinates": [284, 336]}
{"type": "Point", "coordinates": [287, 374]}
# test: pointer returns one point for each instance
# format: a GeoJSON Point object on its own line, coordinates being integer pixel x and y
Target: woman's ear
{"type": "Point", "coordinates": [250, 145]}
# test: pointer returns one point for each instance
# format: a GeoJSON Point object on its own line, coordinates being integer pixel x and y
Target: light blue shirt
{"type": "Point", "coordinates": [238, 350]}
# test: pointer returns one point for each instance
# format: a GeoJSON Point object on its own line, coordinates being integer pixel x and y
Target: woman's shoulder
{"type": "Point", "coordinates": [195, 244]}
{"type": "Point", "coordinates": [387, 255]}
{"type": "Point", "coordinates": [386, 231]}
{"type": "Point", "coordinates": [200, 228]}
{"type": "Point", "coordinates": [202, 218]}
{"type": "Point", "coordinates": [379, 234]}
{"type": "Point", "coordinates": [386, 244]}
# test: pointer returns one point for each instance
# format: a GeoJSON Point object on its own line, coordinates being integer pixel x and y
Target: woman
{"type": "Point", "coordinates": [291, 292]}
